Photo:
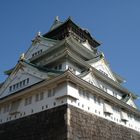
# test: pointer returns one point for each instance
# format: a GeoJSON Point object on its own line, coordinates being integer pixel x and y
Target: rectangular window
{"type": "Point", "coordinates": [107, 108]}
{"type": "Point", "coordinates": [130, 116]}
{"type": "Point", "coordinates": [19, 85]}
{"type": "Point", "coordinates": [28, 100]}
{"type": "Point", "coordinates": [97, 100]}
{"type": "Point", "coordinates": [27, 80]}
{"type": "Point", "coordinates": [55, 67]}
{"type": "Point", "coordinates": [10, 88]}
{"type": "Point", "coordinates": [87, 95]}
{"type": "Point", "coordinates": [51, 92]}
{"type": "Point", "coordinates": [24, 82]}
{"type": "Point", "coordinates": [116, 109]}
{"type": "Point", "coordinates": [14, 106]}
{"type": "Point", "coordinates": [80, 92]}
{"type": "Point", "coordinates": [103, 72]}
{"type": "Point", "coordinates": [37, 53]}
{"type": "Point", "coordinates": [39, 96]}
{"type": "Point", "coordinates": [6, 108]}
{"type": "Point", "coordinates": [60, 66]}
{"type": "Point", "coordinates": [83, 93]}
{"type": "Point", "coordinates": [114, 94]}
{"type": "Point", "coordinates": [14, 86]}
{"type": "Point", "coordinates": [104, 88]}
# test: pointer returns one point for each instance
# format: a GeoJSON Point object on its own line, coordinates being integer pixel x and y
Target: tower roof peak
{"type": "Point", "coordinates": [59, 30]}
{"type": "Point", "coordinates": [56, 23]}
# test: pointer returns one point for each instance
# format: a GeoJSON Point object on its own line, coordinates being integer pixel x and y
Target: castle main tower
{"type": "Point", "coordinates": [62, 88]}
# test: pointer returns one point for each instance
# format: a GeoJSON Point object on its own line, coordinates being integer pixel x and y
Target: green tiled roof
{"type": "Point", "coordinates": [43, 68]}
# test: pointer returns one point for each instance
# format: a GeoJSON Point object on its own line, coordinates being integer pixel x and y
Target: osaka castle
{"type": "Point", "coordinates": [62, 88]}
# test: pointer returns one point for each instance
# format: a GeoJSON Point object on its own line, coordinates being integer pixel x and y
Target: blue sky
{"type": "Point", "coordinates": [114, 23]}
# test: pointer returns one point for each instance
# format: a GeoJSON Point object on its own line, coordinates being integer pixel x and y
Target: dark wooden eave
{"type": "Point", "coordinates": [69, 27]}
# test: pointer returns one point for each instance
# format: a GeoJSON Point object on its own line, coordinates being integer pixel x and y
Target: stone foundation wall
{"type": "Point", "coordinates": [65, 123]}
{"type": "Point", "coordinates": [46, 125]}
{"type": "Point", "coordinates": [85, 126]}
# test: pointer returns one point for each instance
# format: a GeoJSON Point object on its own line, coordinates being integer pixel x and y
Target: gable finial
{"type": "Point", "coordinates": [39, 33]}
{"type": "Point", "coordinates": [57, 18]}
{"type": "Point", "coordinates": [102, 55]}
{"type": "Point", "coordinates": [22, 57]}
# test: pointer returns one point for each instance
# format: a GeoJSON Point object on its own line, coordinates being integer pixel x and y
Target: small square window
{"type": "Point", "coordinates": [60, 66]}
{"type": "Point", "coordinates": [27, 80]}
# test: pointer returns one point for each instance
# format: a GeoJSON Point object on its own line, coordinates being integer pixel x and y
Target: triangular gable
{"type": "Point", "coordinates": [22, 77]}
{"type": "Point", "coordinates": [39, 45]}
{"type": "Point", "coordinates": [131, 102]}
{"type": "Point", "coordinates": [102, 66]}
{"type": "Point", "coordinates": [87, 45]}
{"type": "Point", "coordinates": [89, 77]}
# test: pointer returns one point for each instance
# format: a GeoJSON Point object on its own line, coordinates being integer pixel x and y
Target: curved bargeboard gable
{"type": "Point", "coordinates": [103, 67]}
{"type": "Point", "coordinates": [39, 45]}
{"type": "Point", "coordinates": [131, 102]}
{"type": "Point", "coordinates": [87, 45]}
{"type": "Point", "coordinates": [21, 77]}
{"type": "Point", "coordinates": [89, 77]}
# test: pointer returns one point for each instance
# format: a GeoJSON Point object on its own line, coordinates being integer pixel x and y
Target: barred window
{"type": "Point", "coordinates": [6, 108]}
{"type": "Point", "coordinates": [39, 96]}
{"type": "Point", "coordinates": [51, 92]}
{"type": "Point", "coordinates": [19, 85]}
{"type": "Point", "coordinates": [28, 100]}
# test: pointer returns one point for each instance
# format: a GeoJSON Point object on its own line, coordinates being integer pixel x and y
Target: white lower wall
{"type": "Point", "coordinates": [68, 94]}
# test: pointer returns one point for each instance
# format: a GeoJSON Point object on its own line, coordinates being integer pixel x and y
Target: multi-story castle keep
{"type": "Point", "coordinates": [62, 88]}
